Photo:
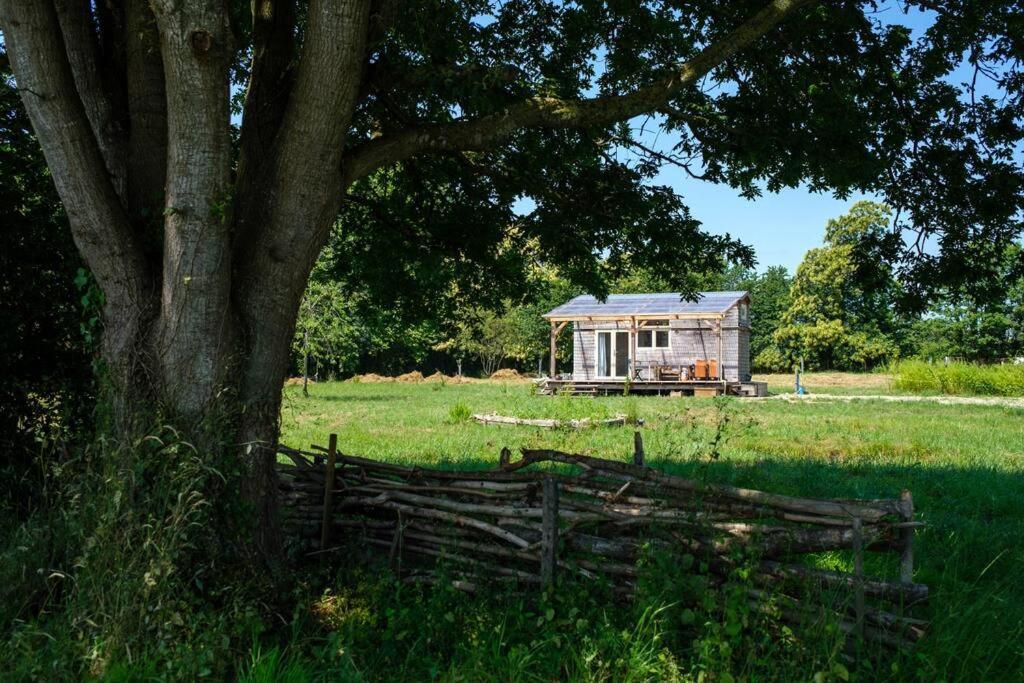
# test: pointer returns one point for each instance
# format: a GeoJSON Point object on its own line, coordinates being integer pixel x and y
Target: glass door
{"type": "Point", "coordinates": [612, 354]}
{"type": "Point", "coordinates": [604, 354]}
{"type": "Point", "coordinates": [621, 354]}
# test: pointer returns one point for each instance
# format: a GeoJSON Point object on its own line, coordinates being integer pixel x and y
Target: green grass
{"type": "Point", "coordinates": [964, 465]}
{"type": "Point", "coordinates": [959, 379]}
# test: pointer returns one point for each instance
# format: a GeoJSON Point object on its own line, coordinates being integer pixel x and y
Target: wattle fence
{"type": "Point", "coordinates": [550, 514]}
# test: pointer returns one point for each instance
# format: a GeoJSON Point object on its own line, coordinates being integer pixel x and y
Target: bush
{"type": "Point", "coordinates": [959, 379]}
{"type": "Point", "coordinates": [459, 412]}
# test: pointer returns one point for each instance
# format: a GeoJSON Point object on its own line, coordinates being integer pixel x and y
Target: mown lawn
{"type": "Point", "coordinates": [963, 464]}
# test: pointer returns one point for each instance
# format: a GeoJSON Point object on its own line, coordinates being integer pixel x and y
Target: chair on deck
{"type": "Point", "coordinates": [668, 373]}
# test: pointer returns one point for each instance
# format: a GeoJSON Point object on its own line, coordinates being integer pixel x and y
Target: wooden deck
{"type": "Point", "coordinates": [608, 387]}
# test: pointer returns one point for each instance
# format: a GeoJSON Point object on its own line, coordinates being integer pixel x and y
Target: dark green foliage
{"type": "Point", "coordinates": [48, 306]}
{"type": "Point", "coordinates": [959, 379]}
{"type": "Point", "coordinates": [124, 570]}
{"type": "Point", "coordinates": [963, 325]}
{"type": "Point", "coordinates": [840, 312]}
{"type": "Point", "coordinates": [838, 98]}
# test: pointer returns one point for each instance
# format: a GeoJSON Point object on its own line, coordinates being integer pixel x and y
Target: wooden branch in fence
{"type": "Point", "coordinates": [898, 592]}
{"type": "Point", "coordinates": [627, 471]}
{"type": "Point", "coordinates": [549, 532]}
{"type": "Point", "coordinates": [524, 525]}
{"type": "Point", "coordinates": [332, 451]}
{"type": "Point", "coordinates": [907, 537]}
{"type": "Point", "coordinates": [495, 419]}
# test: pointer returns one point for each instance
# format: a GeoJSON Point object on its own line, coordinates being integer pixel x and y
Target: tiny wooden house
{"type": "Point", "coordinates": [657, 338]}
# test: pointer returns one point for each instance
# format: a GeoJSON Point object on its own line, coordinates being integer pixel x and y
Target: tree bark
{"type": "Point", "coordinates": [195, 332]}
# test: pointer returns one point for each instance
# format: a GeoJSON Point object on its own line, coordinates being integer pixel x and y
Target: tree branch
{"type": "Point", "coordinates": [76, 24]}
{"type": "Point", "coordinates": [288, 217]}
{"type": "Point", "coordinates": [302, 171]}
{"type": "Point", "coordinates": [273, 29]}
{"type": "Point", "coordinates": [551, 112]}
{"type": "Point", "coordinates": [98, 222]}
{"type": "Point", "coordinates": [147, 111]}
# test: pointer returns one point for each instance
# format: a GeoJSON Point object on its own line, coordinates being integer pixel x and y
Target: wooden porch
{"type": "Point", "coordinates": [618, 387]}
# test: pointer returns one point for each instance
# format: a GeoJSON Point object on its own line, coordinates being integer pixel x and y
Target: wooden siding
{"type": "Point", "coordinates": [689, 340]}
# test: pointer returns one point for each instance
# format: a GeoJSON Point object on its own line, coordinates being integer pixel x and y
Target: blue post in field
{"type": "Point", "coordinates": [800, 391]}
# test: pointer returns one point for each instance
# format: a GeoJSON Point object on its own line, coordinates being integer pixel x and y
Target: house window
{"type": "Point", "coordinates": [653, 335]}
{"type": "Point", "coordinates": [744, 312]}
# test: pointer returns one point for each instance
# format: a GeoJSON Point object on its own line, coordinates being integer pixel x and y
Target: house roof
{"type": "Point", "coordinates": [646, 306]}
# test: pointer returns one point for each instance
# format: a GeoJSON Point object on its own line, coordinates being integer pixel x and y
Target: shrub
{"type": "Point", "coordinates": [632, 411]}
{"type": "Point", "coordinates": [959, 378]}
{"type": "Point", "coordinates": [459, 412]}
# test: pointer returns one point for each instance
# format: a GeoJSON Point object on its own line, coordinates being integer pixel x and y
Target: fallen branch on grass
{"type": "Point", "coordinates": [494, 419]}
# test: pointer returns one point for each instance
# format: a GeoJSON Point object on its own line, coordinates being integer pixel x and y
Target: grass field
{"type": "Point", "coordinates": [964, 465]}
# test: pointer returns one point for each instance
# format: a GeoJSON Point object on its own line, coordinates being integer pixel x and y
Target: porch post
{"type": "Point", "coordinates": [632, 348]}
{"type": "Point", "coordinates": [554, 335]}
{"type": "Point", "coordinates": [721, 361]}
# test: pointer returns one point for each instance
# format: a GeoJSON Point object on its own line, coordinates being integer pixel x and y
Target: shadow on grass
{"type": "Point", "coordinates": [970, 553]}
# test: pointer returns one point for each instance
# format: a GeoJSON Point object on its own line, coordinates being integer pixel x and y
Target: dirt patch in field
{"type": "Point", "coordinates": [507, 374]}
{"type": "Point", "coordinates": [369, 378]}
{"type": "Point", "coordinates": [293, 381]}
{"type": "Point", "coordinates": [413, 377]}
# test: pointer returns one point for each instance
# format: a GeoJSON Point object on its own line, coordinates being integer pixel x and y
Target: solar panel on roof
{"type": "Point", "coordinates": [661, 303]}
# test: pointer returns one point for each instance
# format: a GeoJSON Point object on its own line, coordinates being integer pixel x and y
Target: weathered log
{"type": "Point", "coordinates": [495, 419]}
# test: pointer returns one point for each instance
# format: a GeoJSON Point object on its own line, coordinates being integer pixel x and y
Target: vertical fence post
{"type": "Point", "coordinates": [332, 456]}
{"type": "Point", "coordinates": [907, 538]}
{"type": "Point", "coordinates": [549, 533]}
{"type": "Point", "coordinates": [638, 449]}
{"type": "Point", "coordinates": [858, 571]}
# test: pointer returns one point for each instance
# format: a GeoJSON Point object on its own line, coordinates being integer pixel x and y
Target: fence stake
{"type": "Point", "coordinates": [638, 449]}
{"type": "Point", "coordinates": [907, 538]}
{"type": "Point", "coordinates": [332, 455]}
{"type": "Point", "coordinates": [858, 571]}
{"type": "Point", "coordinates": [549, 533]}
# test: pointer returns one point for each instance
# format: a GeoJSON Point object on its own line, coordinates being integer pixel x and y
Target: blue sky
{"type": "Point", "coordinates": [781, 227]}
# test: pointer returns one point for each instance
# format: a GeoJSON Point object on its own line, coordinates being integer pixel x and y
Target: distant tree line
{"type": "Point", "coordinates": [839, 311]}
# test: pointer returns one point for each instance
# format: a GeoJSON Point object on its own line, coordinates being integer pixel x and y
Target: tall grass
{"type": "Point", "coordinates": [966, 379]}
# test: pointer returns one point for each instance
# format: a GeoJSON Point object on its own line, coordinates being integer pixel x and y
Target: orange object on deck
{"type": "Point", "coordinates": [701, 369]}
{"type": "Point", "coordinates": [713, 369]}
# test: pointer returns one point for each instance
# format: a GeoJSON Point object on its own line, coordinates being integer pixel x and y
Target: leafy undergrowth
{"type": "Point", "coordinates": [963, 379]}
{"type": "Point", "coordinates": [125, 570]}
{"type": "Point", "coordinates": [371, 628]}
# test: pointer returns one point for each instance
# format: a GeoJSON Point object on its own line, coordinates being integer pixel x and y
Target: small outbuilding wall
{"type": "Point", "coordinates": [696, 331]}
